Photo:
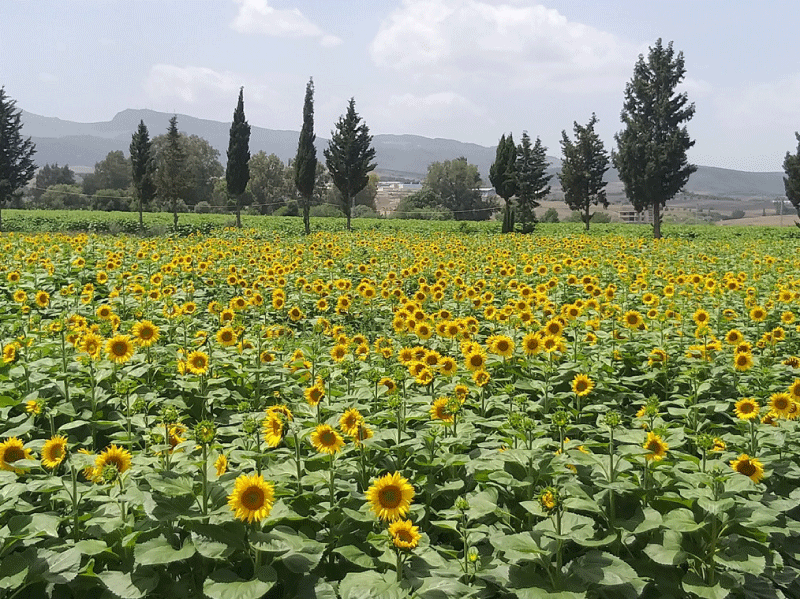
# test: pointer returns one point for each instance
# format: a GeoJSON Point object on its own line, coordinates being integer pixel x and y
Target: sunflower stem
{"type": "Point", "coordinates": [399, 566]}
{"type": "Point", "coordinates": [298, 463]}
{"type": "Point", "coordinates": [204, 472]}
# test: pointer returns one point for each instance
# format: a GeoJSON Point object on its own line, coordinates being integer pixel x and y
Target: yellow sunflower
{"type": "Point", "coordinates": [197, 362]}
{"type": "Point", "coordinates": [582, 385]}
{"type": "Point", "coordinates": [350, 422]}
{"type": "Point", "coordinates": [315, 393]}
{"type": "Point", "coordinates": [9, 353]}
{"type": "Point", "coordinates": [42, 299]}
{"type": "Point", "coordinates": [743, 361]}
{"type": "Point", "coordinates": [119, 349]}
{"type": "Point", "coordinates": [252, 498]}
{"type": "Point", "coordinates": [632, 319]}
{"type": "Point", "coordinates": [481, 378]}
{"type": "Point", "coordinates": [656, 446]}
{"type": "Point", "coordinates": [112, 456]}
{"type": "Point", "coordinates": [390, 496]}
{"type": "Point", "coordinates": [221, 464]}
{"type": "Point", "coordinates": [338, 352]}
{"type": "Point", "coordinates": [747, 409]}
{"type": "Point", "coordinates": [532, 343]}
{"type": "Point", "coordinates": [780, 404]}
{"type": "Point", "coordinates": [794, 390]}
{"type": "Point", "coordinates": [145, 333]}
{"type": "Point", "coordinates": [54, 451]}
{"type": "Point", "coordinates": [273, 429]}
{"type": "Point", "coordinates": [326, 440]}
{"type": "Point", "coordinates": [758, 314]}
{"type": "Point", "coordinates": [13, 450]}
{"type": "Point", "coordinates": [440, 410]}
{"type": "Point", "coordinates": [502, 346]}
{"type": "Point", "coordinates": [404, 534]}
{"type": "Point", "coordinates": [226, 336]}
{"type": "Point", "coordinates": [475, 361]}
{"type": "Point", "coordinates": [748, 466]}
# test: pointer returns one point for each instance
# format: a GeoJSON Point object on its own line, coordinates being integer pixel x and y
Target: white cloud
{"type": "Point", "coordinates": [257, 16]}
{"type": "Point", "coordinates": [48, 78]}
{"type": "Point", "coordinates": [769, 105]}
{"type": "Point", "coordinates": [516, 45]}
{"type": "Point", "coordinates": [437, 104]}
{"type": "Point", "coordinates": [189, 84]}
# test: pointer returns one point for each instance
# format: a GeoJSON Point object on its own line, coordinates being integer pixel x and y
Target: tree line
{"type": "Point", "coordinates": [179, 172]}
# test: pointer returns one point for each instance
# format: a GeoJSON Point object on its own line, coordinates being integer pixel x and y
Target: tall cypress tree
{"type": "Point", "coordinates": [16, 153]}
{"type": "Point", "coordinates": [142, 167]}
{"type": "Point", "coordinates": [532, 180]}
{"type": "Point", "coordinates": [237, 173]}
{"type": "Point", "coordinates": [585, 163]}
{"type": "Point", "coordinates": [503, 176]}
{"type": "Point", "coordinates": [651, 157]}
{"type": "Point", "coordinates": [791, 182]}
{"type": "Point", "coordinates": [305, 163]}
{"type": "Point", "coordinates": [173, 176]}
{"type": "Point", "coordinates": [349, 157]}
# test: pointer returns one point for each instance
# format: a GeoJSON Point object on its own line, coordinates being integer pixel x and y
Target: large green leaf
{"type": "Point", "coordinates": [127, 585]}
{"type": "Point", "coordinates": [604, 569]}
{"type": "Point", "coordinates": [224, 584]}
{"type": "Point", "coordinates": [159, 551]}
{"type": "Point", "coordinates": [693, 584]}
{"type": "Point", "coordinates": [370, 585]}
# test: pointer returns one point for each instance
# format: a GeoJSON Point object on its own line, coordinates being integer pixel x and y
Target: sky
{"type": "Point", "coordinates": [468, 70]}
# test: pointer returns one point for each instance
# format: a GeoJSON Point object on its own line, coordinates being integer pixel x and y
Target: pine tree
{"type": "Point", "coordinates": [349, 157]}
{"type": "Point", "coordinates": [173, 177]}
{"type": "Point", "coordinates": [142, 167]}
{"type": "Point", "coordinates": [791, 182]}
{"type": "Point", "coordinates": [237, 173]}
{"type": "Point", "coordinates": [585, 162]}
{"type": "Point", "coordinates": [651, 157]}
{"type": "Point", "coordinates": [532, 180]}
{"type": "Point", "coordinates": [503, 176]}
{"type": "Point", "coordinates": [305, 163]}
{"type": "Point", "coordinates": [16, 153]}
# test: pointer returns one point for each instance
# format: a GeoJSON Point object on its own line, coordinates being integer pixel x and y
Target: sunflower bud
{"type": "Point", "coordinates": [205, 432]}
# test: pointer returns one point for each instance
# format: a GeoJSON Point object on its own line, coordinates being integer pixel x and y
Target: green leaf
{"type": "Point", "coordinates": [159, 551]}
{"type": "Point", "coordinates": [604, 569]}
{"type": "Point", "coordinates": [354, 555]}
{"type": "Point", "coordinates": [370, 585]}
{"type": "Point", "coordinates": [58, 567]}
{"type": "Point", "coordinates": [742, 558]}
{"type": "Point", "coordinates": [34, 525]}
{"type": "Point", "coordinates": [224, 584]}
{"type": "Point", "coordinates": [127, 585]}
{"type": "Point", "coordinates": [539, 593]}
{"type": "Point", "coordinates": [668, 552]}
{"type": "Point", "coordinates": [444, 588]}
{"type": "Point", "coordinates": [14, 569]}
{"type": "Point", "coordinates": [172, 485]}
{"type": "Point", "coordinates": [693, 584]}
{"type": "Point", "coordinates": [681, 520]}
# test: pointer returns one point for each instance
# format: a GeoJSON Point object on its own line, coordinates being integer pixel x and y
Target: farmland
{"type": "Point", "coordinates": [407, 410]}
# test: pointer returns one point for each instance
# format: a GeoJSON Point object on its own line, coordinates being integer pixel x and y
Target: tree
{"type": "Point", "coordinates": [267, 185]}
{"type": "Point", "coordinates": [64, 197]}
{"type": "Point", "coordinates": [532, 180]}
{"type": "Point", "coordinates": [142, 167]}
{"type": "Point", "coordinates": [457, 184]}
{"type": "Point", "coordinates": [349, 157]}
{"type": "Point", "coordinates": [48, 176]}
{"type": "Point", "coordinates": [112, 172]}
{"type": "Point", "coordinates": [550, 216]}
{"type": "Point", "coordinates": [202, 167]}
{"type": "Point", "coordinates": [791, 182]}
{"type": "Point", "coordinates": [424, 205]}
{"type": "Point", "coordinates": [651, 157]}
{"type": "Point", "coordinates": [109, 200]}
{"type": "Point", "coordinates": [305, 162]}
{"type": "Point", "coordinates": [173, 175]}
{"type": "Point", "coordinates": [585, 162]}
{"type": "Point", "coordinates": [503, 175]}
{"type": "Point", "coordinates": [16, 153]}
{"type": "Point", "coordinates": [237, 172]}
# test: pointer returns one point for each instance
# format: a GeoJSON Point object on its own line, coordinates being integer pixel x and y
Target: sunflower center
{"type": "Point", "coordinates": [654, 446]}
{"type": "Point", "coordinates": [116, 462]}
{"type": "Point", "coordinates": [56, 451]}
{"type": "Point", "coordinates": [13, 454]}
{"type": "Point", "coordinates": [146, 333]}
{"type": "Point", "coordinates": [199, 362]}
{"type": "Point", "coordinates": [404, 536]}
{"type": "Point", "coordinates": [781, 403]}
{"type": "Point", "coordinates": [581, 386]}
{"type": "Point", "coordinates": [253, 498]}
{"type": "Point", "coordinates": [327, 438]}
{"type": "Point", "coordinates": [120, 348]}
{"type": "Point", "coordinates": [390, 497]}
{"type": "Point", "coordinates": [747, 408]}
{"type": "Point", "coordinates": [747, 468]}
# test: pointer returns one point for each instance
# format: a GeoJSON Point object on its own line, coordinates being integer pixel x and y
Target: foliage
{"type": "Point", "coordinates": [142, 168]}
{"type": "Point", "coordinates": [16, 154]}
{"type": "Point", "coordinates": [237, 172]}
{"type": "Point", "coordinates": [51, 175]}
{"type": "Point", "coordinates": [597, 217]}
{"type": "Point", "coordinates": [173, 178]}
{"type": "Point", "coordinates": [113, 172]}
{"type": "Point", "coordinates": [423, 204]}
{"type": "Point", "coordinates": [532, 180]}
{"type": "Point", "coordinates": [64, 197]}
{"type": "Point", "coordinates": [456, 183]}
{"type": "Point", "coordinates": [651, 150]}
{"type": "Point", "coordinates": [502, 173]}
{"type": "Point", "coordinates": [349, 156]}
{"type": "Point", "coordinates": [305, 162]}
{"type": "Point", "coordinates": [585, 162]}
{"type": "Point", "coordinates": [791, 182]}
{"type": "Point", "coordinates": [550, 216]}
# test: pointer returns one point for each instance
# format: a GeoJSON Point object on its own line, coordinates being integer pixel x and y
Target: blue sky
{"type": "Point", "coordinates": [461, 69]}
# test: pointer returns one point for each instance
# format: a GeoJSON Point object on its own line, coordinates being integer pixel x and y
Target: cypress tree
{"type": "Point", "coordinates": [585, 163]}
{"type": "Point", "coordinates": [503, 176]}
{"type": "Point", "coordinates": [237, 172]}
{"type": "Point", "coordinates": [349, 157]}
{"type": "Point", "coordinates": [173, 177]}
{"type": "Point", "coordinates": [305, 163]}
{"type": "Point", "coordinates": [791, 182]}
{"type": "Point", "coordinates": [16, 153]}
{"type": "Point", "coordinates": [651, 157]}
{"type": "Point", "coordinates": [532, 180]}
{"type": "Point", "coordinates": [142, 166]}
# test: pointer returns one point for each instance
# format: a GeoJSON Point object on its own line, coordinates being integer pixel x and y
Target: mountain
{"type": "Point", "coordinates": [397, 156]}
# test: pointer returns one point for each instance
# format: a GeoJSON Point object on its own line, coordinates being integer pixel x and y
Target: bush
{"type": "Point", "coordinates": [202, 207]}
{"type": "Point", "coordinates": [551, 216]}
{"type": "Point", "coordinates": [736, 214]}
{"type": "Point", "coordinates": [326, 211]}
{"type": "Point", "coordinates": [363, 211]}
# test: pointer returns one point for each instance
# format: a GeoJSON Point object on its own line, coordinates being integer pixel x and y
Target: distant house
{"type": "Point", "coordinates": [391, 192]}
{"type": "Point", "coordinates": [631, 216]}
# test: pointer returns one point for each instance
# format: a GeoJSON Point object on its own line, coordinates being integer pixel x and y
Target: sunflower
{"type": "Point", "coordinates": [425, 377]}
{"type": "Point", "coordinates": [338, 352]}
{"type": "Point", "coordinates": [119, 349]}
{"type": "Point", "coordinates": [389, 383]}
{"type": "Point", "coordinates": [9, 353]}
{"type": "Point", "coordinates": [266, 357]}
{"type": "Point", "coordinates": [532, 343]}
{"type": "Point", "coordinates": [448, 366]}
{"type": "Point", "coordinates": [226, 336]}
{"type": "Point", "coordinates": [743, 361]}
{"type": "Point", "coordinates": [273, 429]}
{"type": "Point", "coordinates": [719, 445]}
{"type": "Point", "coordinates": [656, 446]}
{"type": "Point", "coordinates": [502, 346]}
{"type": "Point", "coordinates": [326, 440]}
{"type": "Point", "coordinates": [114, 456]}
{"type": "Point", "coordinates": [475, 361]}
{"type": "Point", "coordinates": [582, 385]}
{"type": "Point", "coordinates": [481, 378]}
{"type": "Point", "coordinates": [20, 296]}
{"type": "Point", "coordinates": [553, 328]}
{"type": "Point", "coordinates": [12, 450]}
{"type": "Point", "coordinates": [362, 433]}
{"type": "Point", "coordinates": [315, 393]}
{"type": "Point", "coordinates": [296, 314]}
{"type": "Point", "coordinates": [747, 409]}
{"type": "Point", "coordinates": [54, 451]}
{"type": "Point", "coordinates": [632, 319]}
{"type": "Point", "coordinates": [748, 466]}
{"type": "Point", "coordinates": [145, 333]}
{"type": "Point", "coordinates": [350, 422]}
{"type": "Point", "coordinates": [758, 314]}
{"type": "Point", "coordinates": [390, 496]}
{"type": "Point", "coordinates": [197, 362]}
{"type": "Point", "coordinates": [42, 299]}
{"type": "Point", "coordinates": [221, 464]}
{"type": "Point", "coordinates": [404, 534]}
{"type": "Point", "coordinates": [780, 404]}
{"type": "Point", "coordinates": [104, 312]}
{"type": "Point", "coordinates": [252, 498]}
{"type": "Point", "coordinates": [794, 390]}
{"type": "Point", "coordinates": [440, 410]}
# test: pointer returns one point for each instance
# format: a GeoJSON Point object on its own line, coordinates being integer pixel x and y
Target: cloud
{"type": "Point", "coordinates": [515, 45]}
{"type": "Point", "coordinates": [437, 104]}
{"type": "Point", "coordinates": [257, 16]}
{"type": "Point", "coordinates": [48, 78]}
{"type": "Point", "coordinates": [189, 84]}
{"type": "Point", "coordinates": [768, 105]}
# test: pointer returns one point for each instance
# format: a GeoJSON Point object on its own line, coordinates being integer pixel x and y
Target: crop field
{"type": "Point", "coordinates": [400, 411]}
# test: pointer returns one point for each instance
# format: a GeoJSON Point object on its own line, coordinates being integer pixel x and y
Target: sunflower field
{"type": "Point", "coordinates": [398, 413]}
